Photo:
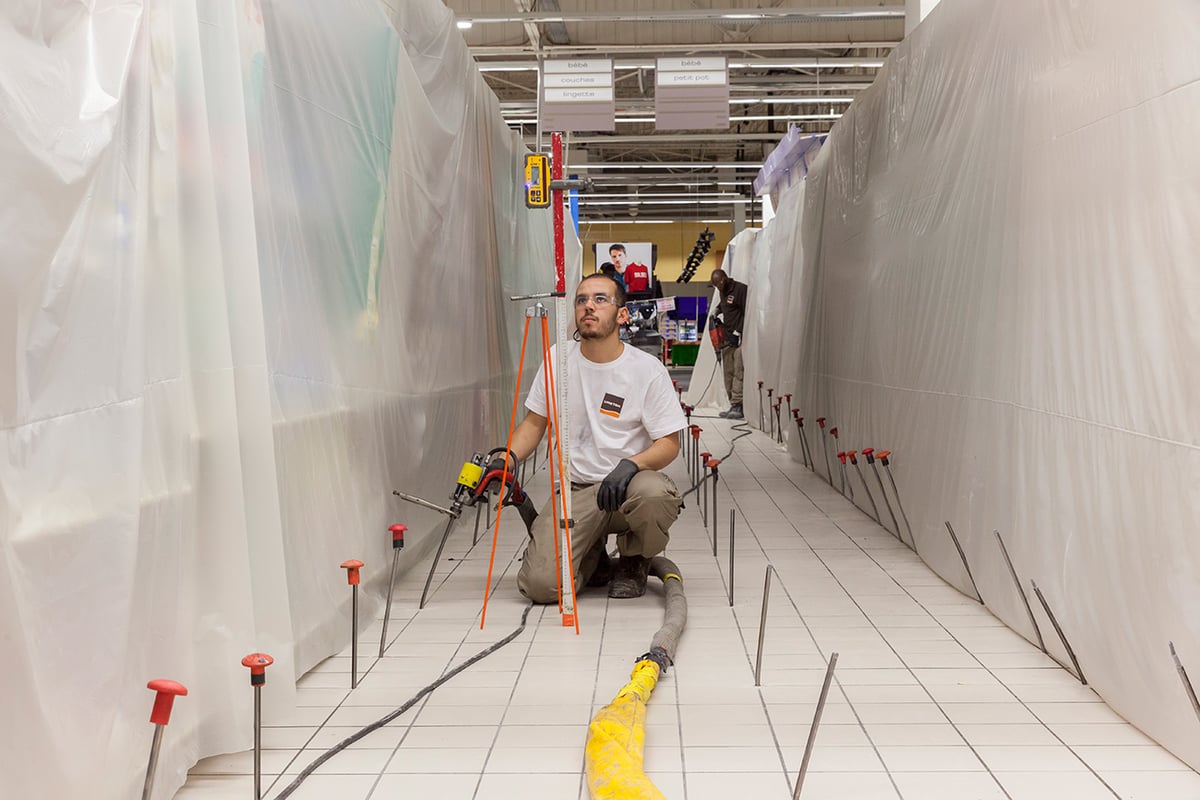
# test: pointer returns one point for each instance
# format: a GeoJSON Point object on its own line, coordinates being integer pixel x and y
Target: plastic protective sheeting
{"type": "Point", "coordinates": [255, 268]}
{"type": "Point", "coordinates": [996, 281]}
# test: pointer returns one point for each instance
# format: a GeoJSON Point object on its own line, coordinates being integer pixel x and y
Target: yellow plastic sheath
{"type": "Point", "coordinates": [617, 741]}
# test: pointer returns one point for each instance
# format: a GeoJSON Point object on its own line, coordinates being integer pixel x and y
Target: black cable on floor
{"type": "Point", "coordinates": [374, 726]}
{"type": "Point", "coordinates": [742, 426]}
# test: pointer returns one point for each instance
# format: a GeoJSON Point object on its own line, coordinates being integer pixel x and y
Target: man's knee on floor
{"type": "Point", "coordinates": [540, 594]}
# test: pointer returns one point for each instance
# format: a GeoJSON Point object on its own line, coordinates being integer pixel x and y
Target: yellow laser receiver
{"type": "Point", "coordinates": [537, 181]}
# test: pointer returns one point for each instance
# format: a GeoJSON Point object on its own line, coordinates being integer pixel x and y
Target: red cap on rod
{"type": "Point", "coordinates": [258, 663]}
{"type": "Point", "coordinates": [352, 567]}
{"type": "Point", "coordinates": [167, 691]}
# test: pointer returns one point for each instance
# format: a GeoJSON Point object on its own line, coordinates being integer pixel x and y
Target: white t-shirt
{"type": "Point", "coordinates": [617, 409]}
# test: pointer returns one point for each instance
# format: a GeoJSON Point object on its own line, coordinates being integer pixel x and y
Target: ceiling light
{"type": "Point", "coordinates": [463, 24]}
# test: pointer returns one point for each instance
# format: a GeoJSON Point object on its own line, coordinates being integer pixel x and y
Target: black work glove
{"type": "Point", "coordinates": [612, 490]}
{"type": "Point", "coordinates": [733, 339]}
{"type": "Point", "coordinates": [497, 462]}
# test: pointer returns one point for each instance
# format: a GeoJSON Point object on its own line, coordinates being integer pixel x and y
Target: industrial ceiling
{"type": "Point", "coordinates": [791, 63]}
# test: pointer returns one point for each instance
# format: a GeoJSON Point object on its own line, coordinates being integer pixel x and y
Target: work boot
{"type": "Point", "coordinates": [629, 578]}
{"type": "Point", "coordinates": [604, 568]}
{"type": "Point", "coordinates": [735, 412]}
{"type": "Point", "coordinates": [726, 412]}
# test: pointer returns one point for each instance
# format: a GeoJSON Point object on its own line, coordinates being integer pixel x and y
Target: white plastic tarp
{"type": "Point", "coordinates": [255, 267]}
{"type": "Point", "coordinates": [997, 281]}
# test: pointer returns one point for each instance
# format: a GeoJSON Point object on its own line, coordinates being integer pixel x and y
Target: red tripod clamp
{"type": "Point", "coordinates": [850, 454]}
{"type": "Point", "coordinates": [821, 422]}
{"type": "Point", "coordinates": [882, 455]}
{"type": "Point", "coordinates": [869, 452]}
{"type": "Point", "coordinates": [842, 458]}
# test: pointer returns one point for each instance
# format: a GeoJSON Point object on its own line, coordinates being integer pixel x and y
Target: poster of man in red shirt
{"type": "Point", "coordinates": [632, 263]}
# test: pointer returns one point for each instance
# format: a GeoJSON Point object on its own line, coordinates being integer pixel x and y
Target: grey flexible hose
{"type": "Point", "coordinates": [667, 637]}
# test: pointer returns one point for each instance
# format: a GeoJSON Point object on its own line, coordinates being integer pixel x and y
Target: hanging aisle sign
{"type": "Point", "coordinates": [578, 95]}
{"type": "Point", "coordinates": [691, 93]}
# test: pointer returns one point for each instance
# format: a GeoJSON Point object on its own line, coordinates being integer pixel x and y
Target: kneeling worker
{"type": "Point", "coordinates": [625, 423]}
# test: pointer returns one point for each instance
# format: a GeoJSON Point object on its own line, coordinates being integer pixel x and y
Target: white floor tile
{"type": "Point", "coordinates": [948, 786]}
{"type": "Point", "coordinates": [929, 759]}
{"type": "Point", "coordinates": [1053, 786]}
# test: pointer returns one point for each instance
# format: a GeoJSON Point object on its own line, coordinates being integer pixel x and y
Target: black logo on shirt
{"type": "Point", "coordinates": [612, 405]}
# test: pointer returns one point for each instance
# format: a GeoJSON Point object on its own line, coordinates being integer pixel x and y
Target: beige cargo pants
{"type": "Point", "coordinates": [652, 504]}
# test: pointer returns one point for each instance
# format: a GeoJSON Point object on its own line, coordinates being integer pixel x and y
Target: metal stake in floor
{"type": "Point", "coordinates": [258, 663]}
{"type": "Point", "coordinates": [762, 625]}
{"type": "Point", "coordinates": [816, 723]}
{"type": "Point", "coordinates": [164, 698]}
{"type": "Point", "coordinates": [1062, 637]}
{"type": "Point", "coordinates": [842, 458]}
{"type": "Point", "coordinates": [883, 459]}
{"type": "Point", "coordinates": [397, 546]}
{"type": "Point", "coordinates": [962, 555]}
{"type": "Point", "coordinates": [352, 577]}
{"type": "Point", "coordinates": [789, 402]}
{"type": "Point", "coordinates": [804, 449]}
{"type": "Point", "coordinates": [825, 450]}
{"type": "Point", "coordinates": [770, 419]}
{"type": "Point", "coordinates": [778, 423]}
{"type": "Point", "coordinates": [1021, 591]}
{"type": "Point", "coordinates": [704, 458]}
{"type": "Point", "coordinates": [731, 548]}
{"type": "Point", "coordinates": [762, 422]}
{"type": "Point", "coordinates": [869, 452]}
{"type": "Point", "coordinates": [713, 463]}
{"type": "Point", "coordinates": [853, 456]}
{"type": "Point", "coordinates": [696, 431]}
{"type": "Point", "coordinates": [834, 433]}
{"type": "Point", "coordinates": [1187, 682]}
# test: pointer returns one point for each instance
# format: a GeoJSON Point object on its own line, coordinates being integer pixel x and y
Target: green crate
{"type": "Point", "coordinates": [684, 354]}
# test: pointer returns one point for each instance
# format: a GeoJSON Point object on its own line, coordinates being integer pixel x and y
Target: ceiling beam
{"type": "Point", "coordinates": [697, 47]}
{"type": "Point", "coordinates": [754, 63]}
{"type": "Point", "coordinates": [732, 16]}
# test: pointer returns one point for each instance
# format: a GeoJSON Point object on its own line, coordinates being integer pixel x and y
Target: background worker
{"type": "Point", "coordinates": [625, 422]}
{"type": "Point", "coordinates": [731, 312]}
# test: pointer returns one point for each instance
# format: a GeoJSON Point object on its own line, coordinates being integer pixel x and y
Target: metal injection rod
{"type": "Point", "coordinates": [538, 296]}
{"type": "Point", "coordinates": [762, 421]}
{"type": "Point", "coordinates": [762, 625]}
{"type": "Point", "coordinates": [424, 504]}
{"type": "Point", "coordinates": [853, 456]}
{"type": "Point", "coordinates": [1187, 683]}
{"type": "Point", "coordinates": [258, 663]}
{"type": "Point", "coordinates": [165, 692]}
{"type": "Point", "coordinates": [1024, 599]}
{"type": "Point", "coordinates": [883, 459]}
{"type": "Point", "coordinates": [869, 452]}
{"type": "Point", "coordinates": [352, 568]}
{"type": "Point", "coordinates": [962, 555]}
{"type": "Point", "coordinates": [816, 723]}
{"type": "Point", "coordinates": [397, 546]}
{"type": "Point", "coordinates": [1058, 629]}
